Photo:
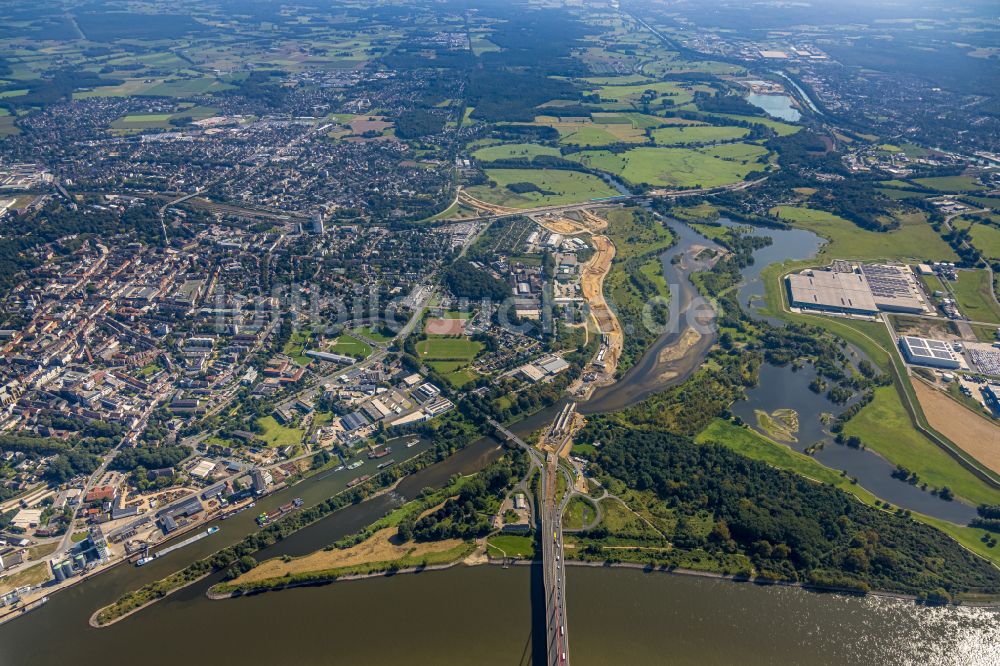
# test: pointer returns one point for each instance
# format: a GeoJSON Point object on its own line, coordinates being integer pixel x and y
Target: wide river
{"type": "Point", "coordinates": [484, 615]}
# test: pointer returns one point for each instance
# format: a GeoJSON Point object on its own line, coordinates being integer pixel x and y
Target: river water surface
{"type": "Point", "coordinates": [483, 615]}
{"type": "Point", "coordinates": [652, 372]}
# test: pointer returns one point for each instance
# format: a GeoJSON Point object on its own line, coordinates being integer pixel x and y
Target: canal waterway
{"type": "Point", "coordinates": [802, 93]}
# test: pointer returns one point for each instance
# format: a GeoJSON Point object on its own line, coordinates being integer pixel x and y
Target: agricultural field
{"type": "Point", "coordinates": [601, 131]}
{"type": "Point", "coordinates": [781, 128]}
{"type": "Point", "coordinates": [986, 238]}
{"type": "Point", "coordinates": [7, 126]}
{"type": "Point", "coordinates": [678, 65]}
{"type": "Point", "coordinates": [950, 184]}
{"type": "Point", "coordinates": [969, 430]}
{"type": "Point", "coordinates": [142, 121]}
{"type": "Point", "coordinates": [675, 92]}
{"type": "Point", "coordinates": [361, 124]}
{"type": "Point", "coordinates": [158, 59]}
{"type": "Point", "coordinates": [900, 194]}
{"type": "Point", "coordinates": [974, 292]}
{"type": "Point", "coordinates": [127, 88]}
{"type": "Point", "coordinates": [985, 202]}
{"type": "Point", "coordinates": [186, 87]}
{"type": "Point", "coordinates": [644, 120]}
{"type": "Point", "coordinates": [481, 44]}
{"type": "Point", "coordinates": [678, 167]}
{"type": "Point", "coordinates": [632, 79]}
{"type": "Point", "coordinates": [899, 184]}
{"type": "Point", "coordinates": [884, 426]}
{"type": "Point", "coordinates": [913, 240]}
{"type": "Point", "coordinates": [593, 134]}
{"type": "Point", "coordinates": [675, 136]}
{"type": "Point", "coordinates": [511, 151]}
{"type": "Point", "coordinates": [555, 186]}
{"type": "Point", "coordinates": [146, 121]}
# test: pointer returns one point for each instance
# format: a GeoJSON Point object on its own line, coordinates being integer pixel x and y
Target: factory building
{"type": "Point", "coordinates": [828, 290]}
{"type": "Point", "coordinates": [862, 290]}
{"type": "Point", "coordinates": [894, 288]}
{"type": "Point", "coordinates": [931, 353]}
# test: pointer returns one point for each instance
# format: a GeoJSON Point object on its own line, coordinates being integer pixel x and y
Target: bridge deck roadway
{"type": "Point", "coordinates": [553, 570]}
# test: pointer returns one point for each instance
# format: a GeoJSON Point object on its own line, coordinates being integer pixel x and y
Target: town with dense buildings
{"type": "Point", "coordinates": [707, 289]}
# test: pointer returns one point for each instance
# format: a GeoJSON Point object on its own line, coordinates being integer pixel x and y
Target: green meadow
{"type": "Point", "coordinates": [678, 167]}
{"type": "Point", "coordinates": [557, 187]}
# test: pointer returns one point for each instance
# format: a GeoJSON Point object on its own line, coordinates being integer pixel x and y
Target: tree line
{"type": "Point", "coordinates": [790, 528]}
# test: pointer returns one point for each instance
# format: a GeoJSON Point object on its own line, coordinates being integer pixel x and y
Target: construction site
{"type": "Point", "coordinates": [579, 220]}
{"type": "Point", "coordinates": [592, 277]}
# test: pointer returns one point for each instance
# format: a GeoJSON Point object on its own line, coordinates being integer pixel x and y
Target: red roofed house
{"type": "Point", "coordinates": [100, 494]}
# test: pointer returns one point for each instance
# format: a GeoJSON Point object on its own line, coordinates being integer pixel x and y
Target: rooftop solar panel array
{"type": "Point", "coordinates": [928, 349]}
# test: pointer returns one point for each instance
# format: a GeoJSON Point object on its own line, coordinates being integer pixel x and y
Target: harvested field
{"type": "Point", "coordinates": [974, 434]}
{"type": "Point", "coordinates": [445, 326]}
{"type": "Point", "coordinates": [362, 125]}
